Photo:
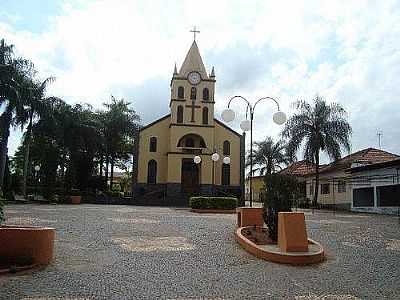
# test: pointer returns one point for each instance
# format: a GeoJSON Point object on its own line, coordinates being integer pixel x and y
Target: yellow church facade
{"type": "Point", "coordinates": [166, 172]}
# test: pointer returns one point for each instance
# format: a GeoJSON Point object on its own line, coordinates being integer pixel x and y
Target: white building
{"type": "Point", "coordinates": [376, 187]}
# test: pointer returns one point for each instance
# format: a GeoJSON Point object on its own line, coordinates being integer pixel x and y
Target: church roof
{"type": "Point", "coordinates": [193, 62]}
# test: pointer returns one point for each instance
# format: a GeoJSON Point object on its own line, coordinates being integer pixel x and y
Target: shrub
{"type": "Point", "coordinates": [116, 187]}
{"type": "Point", "coordinates": [75, 192]}
{"type": "Point", "coordinates": [281, 190]}
{"type": "Point", "coordinates": [213, 202]}
{"type": "Point", "coordinates": [2, 219]}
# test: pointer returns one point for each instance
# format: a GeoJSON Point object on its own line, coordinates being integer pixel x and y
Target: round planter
{"type": "Point", "coordinates": [274, 254]}
{"type": "Point", "coordinates": [76, 199]}
{"type": "Point", "coordinates": [34, 243]}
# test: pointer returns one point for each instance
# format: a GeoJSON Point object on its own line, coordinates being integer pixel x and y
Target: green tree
{"type": "Point", "coordinates": [120, 123]}
{"type": "Point", "coordinates": [36, 105]}
{"type": "Point", "coordinates": [281, 191]}
{"type": "Point", "coordinates": [320, 127]}
{"type": "Point", "coordinates": [268, 156]}
{"type": "Point", "coordinates": [15, 73]}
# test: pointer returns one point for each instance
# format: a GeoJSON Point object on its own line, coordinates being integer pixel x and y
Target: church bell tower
{"type": "Point", "coordinates": [192, 92]}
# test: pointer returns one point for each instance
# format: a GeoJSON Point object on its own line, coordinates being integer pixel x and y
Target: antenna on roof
{"type": "Point", "coordinates": [379, 134]}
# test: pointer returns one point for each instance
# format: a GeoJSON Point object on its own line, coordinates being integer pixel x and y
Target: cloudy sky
{"type": "Point", "coordinates": [345, 51]}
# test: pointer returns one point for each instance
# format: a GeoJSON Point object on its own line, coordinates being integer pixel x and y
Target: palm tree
{"type": "Point", "coordinates": [320, 127]}
{"type": "Point", "coordinates": [14, 73]}
{"type": "Point", "coordinates": [268, 156]}
{"type": "Point", "coordinates": [120, 123]}
{"type": "Point", "coordinates": [36, 104]}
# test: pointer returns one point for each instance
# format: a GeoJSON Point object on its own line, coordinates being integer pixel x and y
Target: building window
{"type": "Point", "coordinates": [181, 92]}
{"type": "Point", "coordinates": [205, 115]}
{"type": "Point", "coordinates": [153, 144]}
{"type": "Point", "coordinates": [226, 174]}
{"type": "Point", "coordinates": [325, 188]}
{"type": "Point", "coordinates": [189, 142]}
{"type": "Point", "coordinates": [206, 94]}
{"type": "Point", "coordinates": [179, 114]}
{"type": "Point", "coordinates": [311, 191]}
{"type": "Point", "coordinates": [193, 93]}
{"type": "Point", "coordinates": [152, 172]}
{"type": "Point", "coordinates": [341, 186]}
{"type": "Point", "coordinates": [227, 148]}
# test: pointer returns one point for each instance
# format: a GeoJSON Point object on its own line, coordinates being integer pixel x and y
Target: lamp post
{"type": "Point", "coordinates": [214, 157]}
{"type": "Point", "coordinates": [228, 115]}
{"type": "Point", "coordinates": [37, 169]}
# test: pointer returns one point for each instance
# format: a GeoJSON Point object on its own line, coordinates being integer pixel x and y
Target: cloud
{"type": "Point", "coordinates": [344, 51]}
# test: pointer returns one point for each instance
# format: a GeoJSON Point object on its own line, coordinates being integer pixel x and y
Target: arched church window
{"type": "Point", "coordinates": [193, 93]}
{"type": "Point", "coordinates": [181, 92]}
{"type": "Point", "coordinates": [227, 148]}
{"type": "Point", "coordinates": [189, 142]}
{"type": "Point", "coordinates": [153, 144]}
{"type": "Point", "coordinates": [206, 94]}
{"type": "Point", "coordinates": [152, 172]}
{"type": "Point", "coordinates": [226, 174]}
{"type": "Point", "coordinates": [179, 113]}
{"type": "Point", "coordinates": [205, 115]}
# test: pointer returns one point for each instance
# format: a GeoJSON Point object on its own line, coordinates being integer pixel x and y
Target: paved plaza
{"type": "Point", "coordinates": [128, 252]}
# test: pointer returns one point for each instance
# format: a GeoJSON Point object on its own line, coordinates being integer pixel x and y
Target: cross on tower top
{"type": "Point", "coordinates": [194, 32]}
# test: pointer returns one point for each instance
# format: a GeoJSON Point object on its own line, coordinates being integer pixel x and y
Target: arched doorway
{"type": "Point", "coordinates": [190, 176]}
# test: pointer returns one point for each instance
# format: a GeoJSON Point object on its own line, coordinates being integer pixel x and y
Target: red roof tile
{"type": "Point", "coordinates": [365, 156]}
{"type": "Point", "coordinates": [299, 168]}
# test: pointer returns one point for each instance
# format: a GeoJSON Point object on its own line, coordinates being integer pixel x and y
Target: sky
{"type": "Point", "coordinates": [345, 51]}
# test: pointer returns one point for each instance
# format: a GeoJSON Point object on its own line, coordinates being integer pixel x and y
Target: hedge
{"type": "Point", "coordinates": [213, 202]}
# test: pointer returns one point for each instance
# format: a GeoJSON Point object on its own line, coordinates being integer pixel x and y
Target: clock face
{"type": "Point", "coordinates": [194, 77]}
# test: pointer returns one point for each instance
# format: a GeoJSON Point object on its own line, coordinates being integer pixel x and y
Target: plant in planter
{"type": "Point", "coordinates": [281, 191]}
{"type": "Point", "coordinates": [75, 196]}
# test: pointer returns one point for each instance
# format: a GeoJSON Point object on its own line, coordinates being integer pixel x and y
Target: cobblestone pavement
{"type": "Point", "coordinates": [128, 252]}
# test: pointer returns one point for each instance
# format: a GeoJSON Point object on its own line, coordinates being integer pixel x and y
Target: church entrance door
{"type": "Point", "coordinates": [190, 177]}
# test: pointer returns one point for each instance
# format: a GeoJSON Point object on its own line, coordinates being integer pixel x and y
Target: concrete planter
{"type": "Point", "coordinates": [250, 216]}
{"type": "Point", "coordinates": [75, 199]}
{"type": "Point", "coordinates": [34, 243]}
{"type": "Point", "coordinates": [273, 253]}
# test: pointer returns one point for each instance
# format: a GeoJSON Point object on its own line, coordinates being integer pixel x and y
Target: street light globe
{"type": "Point", "coordinates": [215, 157]}
{"type": "Point", "coordinates": [245, 125]}
{"type": "Point", "coordinates": [197, 159]}
{"type": "Point", "coordinates": [37, 168]}
{"type": "Point", "coordinates": [228, 115]}
{"type": "Point", "coordinates": [227, 160]}
{"type": "Point", "coordinates": [279, 117]}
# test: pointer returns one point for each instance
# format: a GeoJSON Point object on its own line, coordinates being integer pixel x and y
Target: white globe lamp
{"type": "Point", "coordinates": [245, 125]}
{"type": "Point", "coordinates": [227, 160]}
{"type": "Point", "coordinates": [197, 159]}
{"type": "Point", "coordinates": [228, 115]}
{"type": "Point", "coordinates": [279, 117]}
{"type": "Point", "coordinates": [215, 157]}
{"type": "Point", "coordinates": [37, 168]}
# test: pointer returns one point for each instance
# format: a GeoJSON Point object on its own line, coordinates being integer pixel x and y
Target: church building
{"type": "Point", "coordinates": [188, 152]}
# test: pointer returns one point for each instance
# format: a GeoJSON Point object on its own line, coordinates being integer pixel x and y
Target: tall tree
{"type": "Point", "coordinates": [320, 127]}
{"type": "Point", "coordinates": [268, 156]}
{"type": "Point", "coordinates": [14, 74]}
{"type": "Point", "coordinates": [36, 104]}
{"type": "Point", "coordinates": [120, 123]}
